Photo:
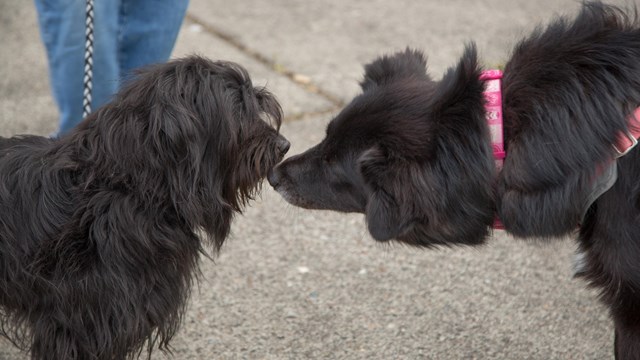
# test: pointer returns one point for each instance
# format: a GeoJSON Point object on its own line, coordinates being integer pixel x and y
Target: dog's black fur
{"type": "Point", "coordinates": [101, 230]}
{"type": "Point", "coordinates": [414, 155]}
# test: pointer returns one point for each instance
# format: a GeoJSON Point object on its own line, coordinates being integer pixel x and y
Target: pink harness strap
{"type": "Point", "coordinates": [627, 141]}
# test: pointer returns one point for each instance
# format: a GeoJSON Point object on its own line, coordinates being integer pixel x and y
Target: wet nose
{"type": "Point", "coordinates": [274, 177]}
{"type": "Point", "coordinates": [283, 146]}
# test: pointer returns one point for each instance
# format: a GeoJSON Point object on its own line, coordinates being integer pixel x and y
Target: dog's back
{"type": "Point", "coordinates": [6, 143]}
{"type": "Point", "coordinates": [568, 91]}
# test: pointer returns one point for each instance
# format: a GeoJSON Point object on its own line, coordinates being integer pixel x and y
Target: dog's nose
{"type": "Point", "coordinates": [274, 177]}
{"type": "Point", "coordinates": [283, 146]}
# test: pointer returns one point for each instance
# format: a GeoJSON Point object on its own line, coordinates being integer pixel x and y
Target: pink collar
{"type": "Point", "coordinates": [493, 106]}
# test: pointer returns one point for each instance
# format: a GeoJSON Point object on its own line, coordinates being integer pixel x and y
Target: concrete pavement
{"type": "Point", "coordinates": [296, 284]}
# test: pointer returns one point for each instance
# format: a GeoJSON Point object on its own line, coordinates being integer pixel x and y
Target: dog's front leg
{"type": "Point", "coordinates": [627, 343]}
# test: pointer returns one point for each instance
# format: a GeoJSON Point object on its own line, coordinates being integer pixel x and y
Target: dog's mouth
{"type": "Point", "coordinates": [269, 156]}
{"type": "Point", "coordinates": [291, 196]}
{"type": "Point", "coordinates": [294, 200]}
{"type": "Point", "coordinates": [312, 190]}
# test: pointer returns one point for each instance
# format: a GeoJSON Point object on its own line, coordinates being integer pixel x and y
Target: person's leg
{"type": "Point", "coordinates": [62, 31]}
{"type": "Point", "coordinates": [149, 29]}
{"type": "Point", "coordinates": [62, 27]}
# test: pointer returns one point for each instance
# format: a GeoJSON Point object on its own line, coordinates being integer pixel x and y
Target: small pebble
{"type": "Point", "coordinates": [302, 79]}
{"type": "Point", "coordinates": [195, 28]}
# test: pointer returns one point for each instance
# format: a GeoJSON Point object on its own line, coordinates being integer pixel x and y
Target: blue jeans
{"type": "Point", "coordinates": [127, 34]}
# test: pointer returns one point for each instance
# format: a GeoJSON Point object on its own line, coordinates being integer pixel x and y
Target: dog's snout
{"type": "Point", "coordinates": [283, 145]}
{"type": "Point", "coordinates": [274, 177]}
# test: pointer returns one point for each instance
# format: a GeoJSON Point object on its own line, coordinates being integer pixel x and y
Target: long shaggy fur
{"type": "Point", "coordinates": [101, 230]}
{"type": "Point", "coordinates": [414, 155]}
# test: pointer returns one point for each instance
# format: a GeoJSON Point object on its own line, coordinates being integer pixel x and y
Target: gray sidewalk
{"type": "Point", "coordinates": [296, 284]}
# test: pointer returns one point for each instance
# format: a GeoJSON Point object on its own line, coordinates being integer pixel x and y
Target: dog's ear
{"type": "Point", "coordinates": [388, 68]}
{"type": "Point", "coordinates": [383, 211]}
{"type": "Point", "coordinates": [441, 194]}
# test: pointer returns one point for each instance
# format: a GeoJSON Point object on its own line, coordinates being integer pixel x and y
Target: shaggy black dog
{"type": "Point", "coordinates": [101, 230]}
{"type": "Point", "coordinates": [415, 155]}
